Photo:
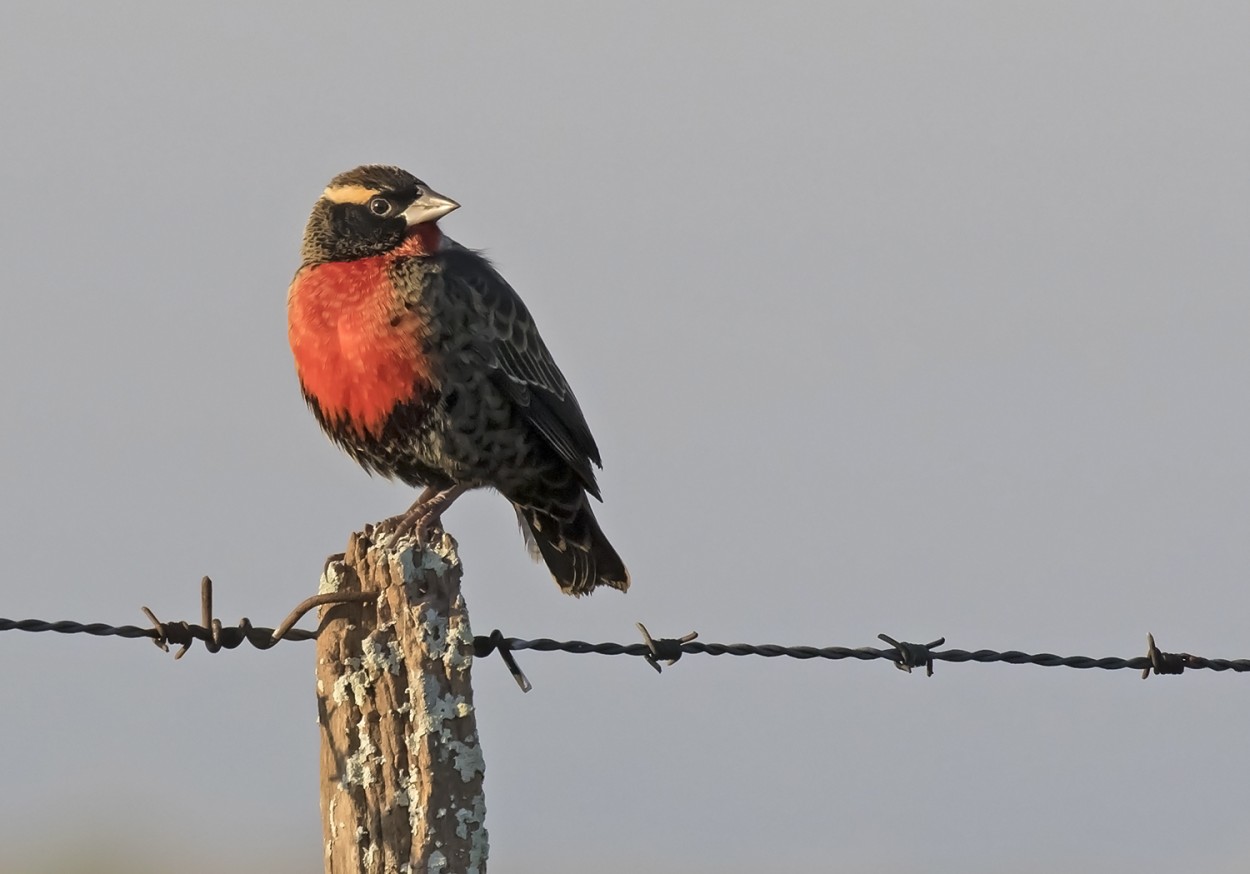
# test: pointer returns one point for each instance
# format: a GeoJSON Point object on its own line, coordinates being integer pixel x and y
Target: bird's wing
{"type": "Point", "coordinates": [520, 363]}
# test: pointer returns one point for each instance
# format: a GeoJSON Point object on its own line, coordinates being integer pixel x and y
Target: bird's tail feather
{"type": "Point", "coordinates": [575, 549]}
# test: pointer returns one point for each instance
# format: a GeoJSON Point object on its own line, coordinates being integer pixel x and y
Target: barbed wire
{"type": "Point", "coordinates": [214, 635]}
{"type": "Point", "coordinates": [904, 655]}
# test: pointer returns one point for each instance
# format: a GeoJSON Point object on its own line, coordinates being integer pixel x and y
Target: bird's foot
{"type": "Point", "coordinates": [425, 517]}
{"type": "Point", "coordinates": [415, 521]}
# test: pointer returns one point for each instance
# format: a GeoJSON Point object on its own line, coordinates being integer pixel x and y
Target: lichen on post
{"type": "Point", "coordinates": [401, 763]}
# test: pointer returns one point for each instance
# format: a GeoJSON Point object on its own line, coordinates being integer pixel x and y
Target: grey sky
{"type": "Point", "coordinates": [929, 319]}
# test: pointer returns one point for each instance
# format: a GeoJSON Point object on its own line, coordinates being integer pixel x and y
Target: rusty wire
{"type": "Point", "coordinates": [905, 656]}
{"type": "Point", "coordinates": [210, 630]}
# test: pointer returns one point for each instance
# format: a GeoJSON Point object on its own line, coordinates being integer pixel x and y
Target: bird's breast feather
{"type": "Point", "coordinates": [358, 351]}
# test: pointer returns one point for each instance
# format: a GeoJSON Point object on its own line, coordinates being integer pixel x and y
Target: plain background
{"type": "Point", "coordinates": [926, 319]}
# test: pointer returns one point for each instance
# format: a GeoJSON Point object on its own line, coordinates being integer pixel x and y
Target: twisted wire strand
{"type": "Point", "coordinates": [210, 631]}
{"type": "Point", "coordinates": [904, 655]}
{"type": "Point", "coordinates": [867, 653]}
{"type": "Point", "coordinates": [65, 626]}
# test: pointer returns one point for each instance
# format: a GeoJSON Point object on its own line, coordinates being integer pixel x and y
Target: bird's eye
{"type": "Point", "coordinates": [380, 206]}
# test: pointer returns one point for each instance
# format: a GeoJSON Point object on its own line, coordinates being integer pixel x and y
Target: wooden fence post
{"type": "Point", "coordinates": [401, 764]}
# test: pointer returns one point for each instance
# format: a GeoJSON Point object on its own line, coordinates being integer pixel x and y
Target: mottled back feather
{"type": "Point", "coordinates": [519, 361]}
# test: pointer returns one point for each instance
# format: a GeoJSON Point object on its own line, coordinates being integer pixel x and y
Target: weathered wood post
{"type": "Point", "coordinates": [401, 765]}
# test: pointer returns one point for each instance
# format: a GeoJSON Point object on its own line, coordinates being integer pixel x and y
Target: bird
{"type": "Point", "coordinates": [422, 363]}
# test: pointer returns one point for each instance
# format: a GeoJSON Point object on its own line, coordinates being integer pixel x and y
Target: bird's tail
{"type": "Point", "coordinates": [574, 548]}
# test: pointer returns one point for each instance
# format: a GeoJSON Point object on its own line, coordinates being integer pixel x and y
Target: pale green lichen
{"type": "Point", "coordinates": [331, 578]}
{"type": "Point", "coordinates": [358, 770]}
{"type": "Point", "coordinates": [443, 549]}
{"type": "Point", "coordinates": [437, 558]}
{"type": "Point", "coordinates": [438, 710]}
{"type": "Point", "coordinates": [468, 759]}
{"type": "Point", "coordinates": [434, 631]}
{"type": "Point", "coordinates": [381, 654]}
{"type": "Point", "coordinates": [335, 825]}
{"type": "Point", "coordinates": [407, 558]}
{"type": "Point", "coordinates": [411, 791]}
{"type": "Point", "coordinates": [355, 680]}
{"type": "Point", "coordinates": [437, 862]}
{"type": "Point", "coordinates": [434, 709]}
{"type": "Point", "coordinates": [470, 823]}
{"type": "Point", "coordinates": [458, 655]}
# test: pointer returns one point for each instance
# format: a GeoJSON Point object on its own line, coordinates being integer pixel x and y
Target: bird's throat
{"type": "Point", "coordinates": [423, 239]}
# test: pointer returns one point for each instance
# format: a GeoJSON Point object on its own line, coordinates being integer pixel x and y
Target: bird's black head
{"type": "Point", "coordinates": [368, 211]}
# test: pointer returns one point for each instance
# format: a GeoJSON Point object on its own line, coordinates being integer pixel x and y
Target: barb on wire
{"type": "Point", "coordinates": [214, 635]}
{"type": "Point", "coordinates": [913, 655]}
{"type": "Point", "coordinates": [1164, 662]}
{"type": "Point", "coordinates": [666, 648]}
{"type": "Point", "coordinates": [654, 650]}
{"type": "Point", "coordinates": [904, 655]}
{"type": "Point", "coordinates": [496, 642]}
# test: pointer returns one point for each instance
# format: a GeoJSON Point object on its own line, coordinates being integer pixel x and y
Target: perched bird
{"type": "Point", "coordinates": [420, 361]}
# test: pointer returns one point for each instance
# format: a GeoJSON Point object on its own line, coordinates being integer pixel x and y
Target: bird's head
{"type": "Point", "coordinates": [369, 211]}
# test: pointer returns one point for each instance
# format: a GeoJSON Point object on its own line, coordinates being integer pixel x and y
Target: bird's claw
{"type": "Point", "coordinates": [424, 525]}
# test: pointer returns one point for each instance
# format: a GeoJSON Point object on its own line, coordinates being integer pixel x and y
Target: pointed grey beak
{"type": "Point", "coordinates": [429, 206]}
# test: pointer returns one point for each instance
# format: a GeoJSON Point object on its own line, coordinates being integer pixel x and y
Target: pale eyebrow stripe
{"type": "Point", "coordinates": [349, 194]}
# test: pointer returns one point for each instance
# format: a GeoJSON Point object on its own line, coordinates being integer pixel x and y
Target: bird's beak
{"type": "Point", "coordinates": [429, 206]}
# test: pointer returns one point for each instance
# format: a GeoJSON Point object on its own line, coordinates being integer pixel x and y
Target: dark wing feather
{"type": "Point", "coordinates": [520, 363]}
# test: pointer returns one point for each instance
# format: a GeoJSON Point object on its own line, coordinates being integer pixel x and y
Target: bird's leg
{"type": "Point", "coordinates": [427, 494]}
{"type": "Point", "coordinates": [431, 516]}
{"type": "Point", "coordinates": [426, 513]}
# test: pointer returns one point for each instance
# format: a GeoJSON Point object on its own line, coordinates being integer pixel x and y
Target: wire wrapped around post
{"type": "Point", "coordinates": [401, 764]}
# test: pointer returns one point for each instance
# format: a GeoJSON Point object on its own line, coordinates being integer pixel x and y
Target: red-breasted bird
{"type": "Point", "coordinates": [420, 361]}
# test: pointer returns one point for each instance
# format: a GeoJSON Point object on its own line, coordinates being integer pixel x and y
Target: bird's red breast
{"type": "Point", "coordinates": [358, 350]}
